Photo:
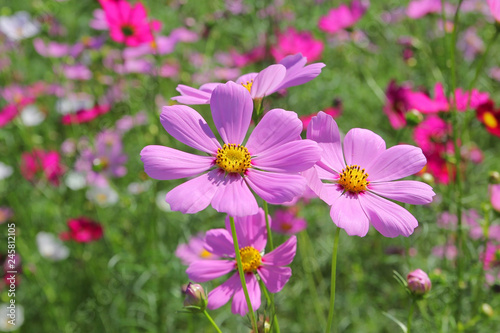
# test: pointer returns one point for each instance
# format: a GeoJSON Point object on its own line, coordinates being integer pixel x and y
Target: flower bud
{"type": "Point", "coordinates": [487, 310]}
{"type": "Point", "coordinates": [494, 177]}
{"type": "Point", "coordinates": [195, 297]}
{"type": "Point", "coordinates": [414, 117]}
{"type": "Point", "coordinates": [418, 282]}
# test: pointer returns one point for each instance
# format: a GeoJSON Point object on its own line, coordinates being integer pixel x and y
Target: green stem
{"type": "Point", "coordinates": [334, 275]}
{"type": "Point", "coordinates": [211, 321]}
{"type": "Point", "coordinates": [270, 299]}
{"type": "Point", "coordinates": [268, 227]}
{"type": "Point", "coordinates": [410, 316]}
{"type": "Point", "coordinates": [242, 274]}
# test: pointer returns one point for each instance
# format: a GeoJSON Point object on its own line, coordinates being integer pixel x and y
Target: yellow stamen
{"type": "Point", "coordinates": [353, 179]}
{"type": "Point", "coordinates": [248, 85]}
{"type": "Point", "coordinates": [250, 259]}
{"type": "Point", "coordinates": [205, 254]}
{"type": "Point", "coordinates": [233, 158]}
{"type": "Point", "coordinates": [489, 120]}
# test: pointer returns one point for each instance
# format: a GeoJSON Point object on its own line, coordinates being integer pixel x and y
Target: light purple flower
{"type": "Point", "coordinates": [252, 238]}
{"type": "Point", "coordinates": [286, 222]}
{"type": "Point", "coordinates": [77, 72]}
{"type": "Point", "coordinates": [419, 282]}
{"type": "Point", "coordinates": [19, 26]}
{"type": "Point", "coordinates": [51, 49]}
{"type": "Point", "coordinates": [290, 72]}
{"type": "Point", "coordinates": [194, 250]}
{"type": "Point", "coordinates": [362, 175]}
{"type": "Point", "coordinates": [269, 163]}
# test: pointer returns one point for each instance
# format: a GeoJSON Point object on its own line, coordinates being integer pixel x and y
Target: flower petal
{"type": "Point", "coordinates": [206, 270]}
{"type": "Point", "coordinates": [192, 96]}
{"type": "Point", "coordinates": [274, 277]}
{"type": "Point", "coordinates": [407, 191]}
{"type": "Point", "coordinates": [195, 194]}
{"type": "Point", "coordinates": [362, 147]}
{"type": "Point", "coordinates": [267, 81]}
{"type": "Point", "coordinates": [165, 163]}
{"type": "Point", "coordinates": [239, 305]}
{"type": "Point", "coordinates": [348, 214]}
{"type": "Point", "coordinates": [277, 127]}
{"type": "Point", "coordinates": [294, 156]}
{"type": "Point", "coordinates": [395, 163]}
{"type": "Point", "coordinates": [220, 243]}
{"type": "Point", "coordinates": [234, 197]}
{"type": "Point", "coordinates": [189, 127]}
{"type": "Point", "coordinates": [223, 293]}
{"type": "Point", "coordinates": [388, 218]}
{"type": "Point", "coordinates": [275, 188]}
{"type": "Point", "coordinates": [324, 130]}
{"type": "Point", "coordinates": [232, 111]}
{"type": "Point", "coordinates": [282, 255]}
{"type": "Point", "coordinates": [251, 230]}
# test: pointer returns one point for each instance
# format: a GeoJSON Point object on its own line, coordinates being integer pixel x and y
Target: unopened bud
{"type": "Point", "coordinates": [414, 117]}
{"type": "Point", "coordinates": [487, 309]}
{"type": "Point", "coordinates": [418, 282]}
{"type": "Point", "coordinates": [494, 177]}
{"type": "Point", "coordinates": [195, 300]}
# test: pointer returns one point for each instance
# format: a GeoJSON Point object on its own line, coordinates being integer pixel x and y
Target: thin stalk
{"type": "Point", "coordinates": [268, 227]}
{"type": "Point", "coordinates": [410, 316]}
{"type": "Point", "coordinates": [332, 285]}
{"type": "Point", "coordinates": [270, 299]}
{"type": "Point", "coordinates": [211, 321]}
{"type": "Point", "coordinates": [242, 274]}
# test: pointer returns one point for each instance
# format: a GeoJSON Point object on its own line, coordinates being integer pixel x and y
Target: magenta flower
{"type": "Point", "coordinates": [82, 230]}
{"type": "Point", "coordinates": [252, 238]}
{"type": "Point", "coordinates": [361, 176]}
{"type": "Point", "coordinates": [419, 8]}
{"type": "Point", "coordinates": [397, 103]}
{"type": "Point", "coordinates": [342, 17]}
{"type": "Point", "coordinates": [85, 115]}
{"type": "Point", "coordinates": [419, 282]}
{"type": "Point", "coordinates": [286, 222]}
{"type": "Point", "coordinates": [269, 163]}
{"type": "Point", "coordinates": [494, 6]}
{"type": "Point", "coordinates": [334, 111]}
{"type": "Point", "coordinates": [194, 250]}
{"type": "Point", "coordinates": [494, 190]}
{"type": "Point", "coordinates": [293, 42]}
{"type": "Point", "coordinates": [288, 73]}
{"type": "Point", "coordinates": [40, 161]}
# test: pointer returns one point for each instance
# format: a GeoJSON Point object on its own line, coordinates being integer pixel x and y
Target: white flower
{"type": "Point", "coordinates": [11, 315]}
{"type": "Point", "coordinates": [75, 180]}
{"type": "Point", "coordinates": [161, 203]}
{"type": "Point", "coordinates": [139, 187]}
{"type": "Point", "coordinates": [51, 247]}
{"type": "Point", "coordinates": [5, 171]}
{"type": "Point", "coordinates": [19, 26]}
{"type": "Point", "coordinates": [73, 103]}
{"type": "Point", "coordinates": [32, 116]}
{"type": "Point", "coordinates": [103, 196]}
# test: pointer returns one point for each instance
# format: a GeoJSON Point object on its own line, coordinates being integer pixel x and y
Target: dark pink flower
{"type": "Point", "coordinates": [286, 222]}
{"type": "Point", "coordinates": [292, 42]}
{"type": "Point", "coordinates": [342, 17]}
{"type": "Point", "coordinates": [82, 230]}
{"type": "Point", "coordinates": [11, 111]}
{"type": "Point", "coordinates": [40, 161]}
{"type": "Point", "coordinates": [85, 115]}
{"type": "Point", "coordinates": [397, 103]}
{"type": "Point", "coordinates": [494, 6]}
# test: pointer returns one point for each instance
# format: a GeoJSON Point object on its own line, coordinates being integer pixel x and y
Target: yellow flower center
{"type": "Point", "coordinates": [233, 158]}
{"type": "Point", "coordinates": [250, 259]}
{"type": "Point", "coordinates": [205, 254]}
{"type": "Point", "coordinates": [490, 120]}
{"type": "Point", "coordinates": [248, 85]}
{"type": "Point", "coordinates": [353, 179]}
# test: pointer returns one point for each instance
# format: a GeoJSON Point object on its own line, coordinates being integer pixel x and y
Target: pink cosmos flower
{"type": "Point", "coordinates": [494, 6]}
{"type": "Point", "coordinates": [82, 230]}
{"type": "Point", "coordinates": [494, 190]}
{"type": "Point", "coordinates": [397, 104]}
{"type": "Point", "coordinates": [489, 116]}
{"type": "Point", "coordinates": [362, 175]}
{"type": "Point", "coordinates": [76, 72]}
{"type": "Point", "coordinates": [252, 238]}
{"type": "Point", "coordinates": [418, 282]}
{"type": "Point", "coordinates": [47, 162]}
{"type": "Point", "coordinates": [419, 8]}
{"type": "Point", "coordinates": [5, 214]}
{"type": "Point", "coordinates": [293, 42]}
{"type": "Point", "coordinates": [268, 163]}
{"type": "Point", "coordinates": [194, 250]}
{"type": "Point", "coordinates": [288, 73]}
{"type": "Point", "coordinates": [51, 49]}
{"type": "Point", "coordinates": [448, 251]}
{"type": "Point", "coordinates": [127, 24]}
{"type": "Point", "coordinates": [286, 222]}
{"type": "Point", "coordinates": [85, 115]}
{"type": "Point", "coordinates": [342, 17]}
{"type": "Point", "coordinates": [334, 111]}
{"type": "Point", "coordinates": [11, 111]}
{"type": "Point", "coordinates": [471, 44]}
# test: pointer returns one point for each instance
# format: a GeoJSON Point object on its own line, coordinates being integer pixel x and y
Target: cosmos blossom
{"type": "Point", "coordinates": [269, 163]}
{"type": "Point", "coordinates": [342, 17]}
{"type": "Point", "coordinates": [194, 250]}
{"type": "Point", "coordinates": [82, 230]}
{"type": "Point", "coordinates": [252, 238]}
{"type": "Point", "coordinates": [361, 176]}
{"type": "Point", "coordinates": [291, 71]}
{"type": "Point", "coordinates": [292, 42]}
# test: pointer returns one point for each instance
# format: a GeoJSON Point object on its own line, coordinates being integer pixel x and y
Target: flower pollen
{"type": "Point", "coordinates": [353, 179]}
{"type": "Point", "coordinates": [233, 158]}
{"type": "Point", "coordinates": [490, 120]}
{"type": "Point", "coordinates": [250, 259]}
{"type": "Point", "coordinates": [248, 85]}
{"type": "Point", "coordinates": [205, 254]}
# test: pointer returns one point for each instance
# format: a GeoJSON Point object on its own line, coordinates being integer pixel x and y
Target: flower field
{"type": "Point", "coordinates": [249, 166]}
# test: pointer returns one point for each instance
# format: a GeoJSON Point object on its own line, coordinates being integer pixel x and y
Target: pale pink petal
{"type": "Point", "coordinates": [232, 111]}
{"type": "Point", "coordinates": [220, 243]}
{"type": "Point", "coordinates": [277, 127]}
{"type": "Point", "coordinates": [282, 255]}
{"type": "Point", "coordinates": [275, 188]}
{"type": "Point", "coordinates": [239, 305]}
{"type": "Point", "coordinates": [274, 277]}
{"type": "Point", "coordinates": [267, 81]}
{"type": "Point", "coordinates": [251, 230]}
{"type": "Point", "coordinates": [234, 197]}
{"type": "Point", "coordinates": [362, 146]}
{"type": "Point", "coordinates": [324, 130]}
{"type": "Point", "coordinates": [191, 95]}
{"type": "Point", "coordinates": [396, 162]}
{"type": "Point", "coordinates": [195, 194]}
{"type": "Point", "coordinates": [206, 270]}
{"type": "Point", "coordinates": [390, 219]}
{"type": "Point", "coordinates": [407, 191]}
{"type": "Point", "coordinates": [223, 293]}
{"type": "Point", "coordinates": [189, 127]}
{"type": "Point", "coordinates": [294, 156]}
{"type": "Point", "coordinates": [166, 163]}
{"type": "Point", "coordinates": [347, 213]}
